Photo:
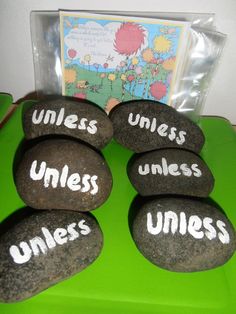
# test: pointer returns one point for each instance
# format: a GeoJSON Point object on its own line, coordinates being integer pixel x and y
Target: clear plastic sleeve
{"type": "Point", "coordinates": [201, 61]}
{"type": "Point", "coordinates": [45, 34]}
{"type": "Point", "coordinates": [193, 82]}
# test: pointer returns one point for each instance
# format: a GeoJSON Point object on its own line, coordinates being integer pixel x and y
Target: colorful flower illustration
{"type": "Point", "coordinates": [161, 44]}
{"type": "Point", "coordinates": [147, 55]}
{"type": "Point", "coordinates": [80, 95]}
{"type": "Point", "coordinates": [123, 77]}
{"type": "Point", "coordinates": [70, 75]}
{"type": "Point", "coordinates": [105, 65]}
{"type": "Point", "coordinates": [130, 59]}
{"type": "Point", "coordinates": [138, 70]}
{"type": "Point", "coordinates": [130, 78]}
{"type": "Point", "coordinates": [158, 90]}
{"type": "Point", "coordinates": [169, 64]}
{"type": "Point", "coordinates": [87, 58]}
{"type": "Point", "coordinates": [102, 76]}
{"type": "Point", "coordinates": [111, 77]}
{"type": "Point", "coordinates": [71, 53]}
{"type": "Point", "coordinates": [122, 43]}
{"type": "Point", "coordinates": [134, 60]}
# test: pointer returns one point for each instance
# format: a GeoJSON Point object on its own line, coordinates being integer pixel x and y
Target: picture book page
{"type": "Point", "coordinates": [110, 59]}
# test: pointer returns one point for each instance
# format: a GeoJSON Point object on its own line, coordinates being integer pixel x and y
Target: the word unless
{"type": "Point", "coordinates": [162, 130]}
{"type": "Point", "coordinates": [71, 121]}
{"type": "Point", "coordinates": [170, 222]}
{"type": "Point", "coordinates": [54, 178]}
{"type": "Point", "coordinates": [170, 169]}
{"type": "Point", "coordinates": [23, 252]}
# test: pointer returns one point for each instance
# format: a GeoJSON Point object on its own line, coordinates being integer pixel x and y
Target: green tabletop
{"type": "Point", "coordinates": [121, 280]}
{"type": "Point", "coordinates": [5, 101]}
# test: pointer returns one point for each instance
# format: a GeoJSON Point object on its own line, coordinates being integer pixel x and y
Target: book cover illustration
{"type": "Point", "coordinates": [110, 59]}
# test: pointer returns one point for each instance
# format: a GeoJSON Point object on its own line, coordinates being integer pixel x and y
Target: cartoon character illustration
{"type": "Point", "coordinates": [82, 84]}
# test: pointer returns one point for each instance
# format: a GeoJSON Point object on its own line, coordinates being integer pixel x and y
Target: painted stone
{"type": "Point", "coordinates": [63, 174]}
{"type": "Point", "coordinates": [183, 235]}
{"type": "Point", "coordinates": [79, 119]}
{"type": "Point", "coordinates": [44, 249]}
{"type": "Point", "coordinates": [144, 125]}
{"type": "Point", "coordinates": [170, 171]}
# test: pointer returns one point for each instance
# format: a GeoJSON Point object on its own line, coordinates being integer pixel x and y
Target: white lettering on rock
{"type": "Point", "coordinates": [50, 117]}
{"type": "Point", "coordinates": [24, 251]}
{"type": "Point", "coordinates": [165, 169]}
{"type": "Point", "coordinates": [194, 226]}
{"type": "Point", "coordinates": [154, 229]}
{"type": "Point", "coordinates": [52, 177]}
{"type": "Point", "coordinates": [38, 246]}
{"type": "Point", "coordinates": [198, 228]}
{"type": "Point", "coordinates": [16, 254]}
{"type": "Point", "coordinates": [210, 232]}
{"type": "Point", "coordinates": [170, 222]}
{"type": "Point", "coordinates": [71, 121]}
{"type": "Point", "coordinates": [162, 130]}
{"type": "Point", "coordinates": [223, 234]}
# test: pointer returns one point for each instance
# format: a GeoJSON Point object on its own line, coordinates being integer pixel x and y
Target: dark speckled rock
{"type": "Point", "coordinates": [170, 171]}
{"type": "Point", "coordinates": [63, 174]}
{"type": "Point", "coordinates": [80, 119]}
{"type": "Point", "coordinates": [183, 235]}
{"type": "Point", "coordinates": [46, 248]}
{"type": "Point", "coordinates": [144, 125]}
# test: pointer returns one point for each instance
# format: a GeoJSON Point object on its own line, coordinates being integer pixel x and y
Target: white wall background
{"type": "Point", "coordinates": [16, 61]}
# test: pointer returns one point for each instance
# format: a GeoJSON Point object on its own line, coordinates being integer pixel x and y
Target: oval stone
{"type": "Point", "coordinates": [170, 171]}
{"type": "Point", "coordinates": [45, 248]}
{"type": "Point", "coordinates": [144, 125]}
{"type": "Point", "coordinates": [80, 119]}
{"type": "Point", "coordinates": [63, 174]}
{"type": "Point", "coordinates": [183, 235]}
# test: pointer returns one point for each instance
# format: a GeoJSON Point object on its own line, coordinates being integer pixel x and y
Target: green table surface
{"type": "Point", "coordinates": [121, 280]}
{"type": "Point", "coordinates": [5, 101]}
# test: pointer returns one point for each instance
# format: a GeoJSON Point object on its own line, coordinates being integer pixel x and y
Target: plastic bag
{"type": "Point", "coordinates": [45, 34]}
{"type": "Point", "coordinates": [189, 93]}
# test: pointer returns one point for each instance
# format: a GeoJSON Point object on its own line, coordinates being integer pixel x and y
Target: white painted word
{"type": "Point", "coordinates": [163, 129]}
{"type": "Point", "coordinates": [53, 177]}
{"type": "Point", "coordinates": [169, 221]}
{"type": "Point", "coordinates": [172, 169]}
{"type": "Point", "coordinates": [71, 121]}
{"type": "Point", "coordinates": [23, 252]}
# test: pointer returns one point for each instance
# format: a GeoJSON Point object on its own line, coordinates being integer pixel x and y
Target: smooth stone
{"type": "Point", "coordinates": [63, 174]}
{"type": "Point", "coordinates": [183, 235]}
{"type": "Point", "coordinates": [79, 119]}
{"type": "Point", "coordinates": [170, 171]}
{"type": "Point", "coordinates": [44, 249]}
{"type": "Point", "coordinates": [145, 125]}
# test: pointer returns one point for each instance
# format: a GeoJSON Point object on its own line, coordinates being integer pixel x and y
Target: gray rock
{"type": "Point", "coordinates": [145, 125]}
{"type": "Point", "coordinates": [170, 171]}
{"type": "Point", "coordinates": [79, 119]}
{"type": "Point", "coordinates": [183, 235]}
{"type": "Point", "coordinates": [63, 174]}
{"type": "Point", "coordinates": [45, 248]}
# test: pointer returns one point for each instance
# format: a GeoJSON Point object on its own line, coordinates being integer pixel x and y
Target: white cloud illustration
{"type": "Point", "coordinates": [97, 41]}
